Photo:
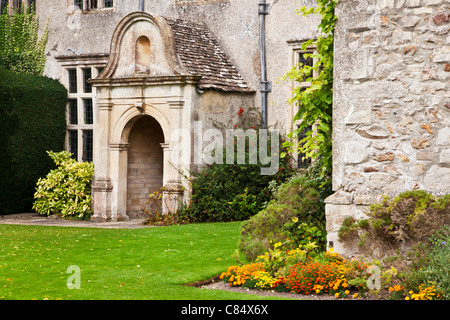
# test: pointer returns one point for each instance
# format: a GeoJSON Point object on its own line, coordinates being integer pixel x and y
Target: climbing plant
{"type": "Point", "coordinates": [22, 50]}
{"type": "Point", "coordinates": [315, 102]}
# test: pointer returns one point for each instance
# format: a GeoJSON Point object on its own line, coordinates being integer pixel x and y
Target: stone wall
{"type": "Point", "coordinates": [145, 164]}
{"type": "Point", "coordinates": [391, 121]}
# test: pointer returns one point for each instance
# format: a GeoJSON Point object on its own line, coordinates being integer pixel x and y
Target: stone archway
{"type": "Point", "coordinates": [145, 164]}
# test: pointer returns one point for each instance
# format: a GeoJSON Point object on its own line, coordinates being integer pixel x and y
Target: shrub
{"type": "Point", "coordinates": [66, 190]}
{"type": "Point", "coordinates": [412, 216]}
{"type": "Point", "coordinates": [297, 213]}
{"type": "Point", "coordinates": [32, 118]}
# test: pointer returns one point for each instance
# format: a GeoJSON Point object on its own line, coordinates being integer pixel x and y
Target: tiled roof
{"type": "Point", "coordinates": [201, 54]}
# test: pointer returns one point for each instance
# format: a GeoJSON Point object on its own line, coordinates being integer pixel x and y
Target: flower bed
{"type": "Point", "coordinates": [308, 272]}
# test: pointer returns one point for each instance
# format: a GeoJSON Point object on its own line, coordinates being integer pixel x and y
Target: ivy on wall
{"type": "Point", "coordinates": [315, 102]}
{"type": "Point", "coordinates": [22, 50]}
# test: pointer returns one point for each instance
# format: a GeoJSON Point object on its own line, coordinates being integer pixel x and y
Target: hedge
{"type": "Point", "coordinates": [32, 121]}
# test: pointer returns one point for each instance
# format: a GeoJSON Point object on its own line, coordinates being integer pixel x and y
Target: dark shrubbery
{"type": "Point", "coordinates": [32, 121]}
{"type": "Point", "coordinates": [223, 192]}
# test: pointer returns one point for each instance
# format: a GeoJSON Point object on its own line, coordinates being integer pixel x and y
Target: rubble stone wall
{"type": "Point", "coordinates": [391, 115]}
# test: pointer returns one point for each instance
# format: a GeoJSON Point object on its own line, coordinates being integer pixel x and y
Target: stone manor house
{"type": "Point", "coordinates": [139, 71]}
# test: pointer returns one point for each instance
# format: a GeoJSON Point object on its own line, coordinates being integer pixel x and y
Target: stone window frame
{"type": "Point", "coordinates": [96, 64]}
{"type": "Point", "coordinates": [87, 6]}
{"type": "Point", "coordinates": [182, 3]}
{"type": "Point", "coordinates": [296, 49]}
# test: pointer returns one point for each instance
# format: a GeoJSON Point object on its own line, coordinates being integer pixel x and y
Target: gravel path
{"type": "Point", "coordinates": [37, 220]}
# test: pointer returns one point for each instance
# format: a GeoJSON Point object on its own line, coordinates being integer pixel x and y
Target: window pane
{"type": "Point", "coordinates": [73, 144]}
{"type": "Point", "coordinates": [304, 60]}
{"type": "Point", "coordinates": [303, 163]}
{"type": "Point", "coordinates": [88, 112]}
{"type": "Point", "coordinates": [3, 5]}
{"type": "Point", "coordinates": [78, 3]}
{"type": "Point", "coordinates": [31, 6]}
{"type": "Point", "coordinates": [72, 80]}
{"type": "Point", "coordinates": [73, 111]}
{"type": "Point", "coordinates": [87, 145]}
{"type": "Point", "coordinates": [87, 74]}
{"type": "Point", "coordinates": [108, 3]}
{"type": "Point", "coordinates": [17, 5]}
{"type": "Point", "coordinates": [92, 4]}
{"type": "Point", "coordinates": [100, 70]}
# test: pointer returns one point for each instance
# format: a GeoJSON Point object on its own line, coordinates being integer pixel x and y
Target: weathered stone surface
{"type": "Point", "coordinates": [403, 157]}
{"type": "Point", "coordinates": [405, 126]}
{"type": "Point", "coordinates": [443, 136]}
{"type": "Point", "coordinates": [445, 156]}
{"type": "Point", "coordinates": [442, 54]}
{"type": "Point", "coordinates": [378, 90]}
{"type": "Point", "coordinates": [401, 37]}
{"type": "Point", "coordinates": [370, 169]}
{"type": "Point", "coordinates": [356, 151]}
{"type": "Point", "coordinates": [441, 18]}
{"type": "Point", "coordinates": [419, 143]}
{"type": "Point", "coordinates": [437, 179]}
{"type": "Point", "coordinates": [340, 197]}
{"type": "Point", "coordinates": [427, 127]}
{"type": "Point", "coordinates": [388, 156]}
{"type": "Point", "coordinates": [417, 169]}
{"type": "Point", "coordinates": [412, 3]}
{"type": "Point", "coordinates": [373, 132]}
{"type": "Point", "coordinates": [425, 155]}
{"type": "Point", "coordinates": [359, 114]}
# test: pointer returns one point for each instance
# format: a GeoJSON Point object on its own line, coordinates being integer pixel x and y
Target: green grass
{"type": "Point", "coordinates": [139, 264]}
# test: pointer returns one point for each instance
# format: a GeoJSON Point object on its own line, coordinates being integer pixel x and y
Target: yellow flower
{"type": "Point", "coordinates": [391, 289]}
{"type": "Point", "coordinates": [397, 288]}
{"type": "Point", "coordinates": [317, 291]}
{"type": "Point", "coordinates": [336, 294]}
{"type": "Point", "coordinates": [331, 249]}
{"type": "Point", "coordinates": [355, 295]}
{"type": "Point", "coordinates": [347, 292]}
{"type": "Point", "coordinates": [294, 219]}
{"type": "Point", "coordinates": [407, 298]}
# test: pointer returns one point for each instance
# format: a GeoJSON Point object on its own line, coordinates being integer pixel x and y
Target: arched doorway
{"type": "Point", "coordinates": [145, 164]}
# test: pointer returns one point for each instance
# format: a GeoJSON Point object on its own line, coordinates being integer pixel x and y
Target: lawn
{"type": "Point", "coordinates": [140, 264]}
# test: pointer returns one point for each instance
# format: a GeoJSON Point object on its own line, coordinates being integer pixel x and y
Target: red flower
{"type": "Point", "coordinates": [240, 111]}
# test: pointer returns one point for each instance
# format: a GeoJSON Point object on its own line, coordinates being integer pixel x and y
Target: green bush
{"type": "Point", "coordinates": [412, 216]}
{"type": "Point", "coordinates": [32, 119]}
{"type": "Point", "coordinates": [223, 192]}
{"type": "Point", "coordinates": [66, 190]}
{"type": "Point", "coordinates": [296, 215]}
